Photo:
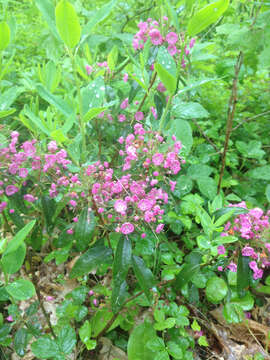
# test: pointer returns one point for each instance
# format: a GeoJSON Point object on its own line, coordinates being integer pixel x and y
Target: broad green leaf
{"type": "Point", "coordinates": [143, 275]}
{"type": "Point", "coordinates": [46, 7]}
{"type": "Point", "coordinates": [20, 341]}
{"type": "Point", "coordinates": [267, 192]}
{"type": "Point", "coordinates": [93, 95]}
{"type": "Point", "coordinates": [12, 262]}
{"type": "Point", "coordinates": [216, 289]}
{"type": "Point", "coordinates": [8, 97]}
{"type": "Point", "coordinates": [119, 294]}
{"type": "Point", "coordinates": [207, 16]}
{"type": "Point", "coordinates": [166, 78]}
{"type": "Point", "coordinates": [166, 61]}
{"type": "Point", "coordinates": [100, 319]}
{"type": "Point", "coordinates": [186, 274]}
{"type": "Point", "coordinates": [252, 149]}
{"type": "Point", "coordinates": [243, 271]}
{"type": "Point", "coordinates": [48, 207]}
{"type": "Point", "coordinates": [4, 331]}
{"type": "Point", "coordinates": [99, 16]}
{"type": "Point", "coordinates": [56, 101]}
{"type": "Point", "coordinates": [189, 110]}
{"type": "Point", "coordinates": [137, 343]}
{"type": "Point", "coordinates": [67, 23]}
{"type": "Point", "coordinates": [233, 313]}
{"type": "Point", "coordinates": [224, 218]}
{"type": "Point", "coordinates": [85, 335]}
{"type": "Point", "coordinates": [207, 187]}
{"type": "Point", "coordinates": [260, 173]}
{"type": "Point", "coordinates": [225, 210]}
{"type": "Point", "coordinates": [66, 339]}
{"type": "Point", "coordinates": [198, 171]}
{"type": "Point", "coordinates": [19, 237]}
{"type": "Point", "coordinates": [45, 348]}
{"type": "Point", "coordinates": [4, 35]}
{"type": "Point", "coordinates": [183, 132]}
{"type": "Point", "coordinates": [221, 240]}
{"type": "Point", "coordinates": [184, 186]}
{"type": "Point", "coordinates": [21, 289]}
{"type": "Point", "coordinates": [246, 302]}
{"type": "Point", "coordinates": [91, 259]}
{"type": "Point", "coordinates": [175, 350]}
{"type": "Point", "coordinates": [84, 229]}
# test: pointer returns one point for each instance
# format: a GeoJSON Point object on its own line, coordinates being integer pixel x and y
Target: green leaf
{"type": "Point", "coordinates": [21, 289]}
{"type": "Point", "coordinates": [56, 101]}
{"type": "Point", "coordinates": [189, 110]}
{"type": "Point", "coordinates": [198, 171]}
{"type": "Point", "coordinates": [184, 186]}
{"type": "Point", "coordinates": [5, 113]}
{"type": "Point", "coordinates": [85, 335]}
{"type": "Point", "coordinates": [225, 210]}
{"type": "Point", "coordinates": [13, 261]}
{"type": "Point", "coordinates": [246, 302]}
{"type": "Point", "coordinates": [186, 274]}
{"type": "Point", "coordinates": [4, 331]}
{"type": "Point", "coordinates": [173, 15]}
{"type": "Point", "coordinates": [243, 271]}
{"type": "Point", "coordinates": [91, 259]}
{"type": "Point", "coordinates": [4, 35]}
{"type": "Point", "coordinates": [216, 289]}
{"type": "Point", "coordinates": [100, 319]}
{"type": "Point", "coordinates": [166, 61]}
{"type": "Point", "coordinates": [224, 218]}
{"type": "Point", "coordinates": [93, 95]}
{"type": "Point", "coordinates": [121, 264]}
{"type": "Point", "coordinates": [166, 78]}
{"type": "Point", "coordinates": [85, 228]}
{"type": "Point", "coordinates": [166, 324]}
{"type": "Point", "coordinates": [67, 23]}
{"type": "Point", "coordinates": [260, 173]}
{"type": "Point", "coordinates": [66, 339]}
{"type": "Point", "coordinates": [202, 341]}
{"type": "Point", "coordinates": [99, 16]}
{"type": "Point", "coordinates": [175, 350]}
{"type": "Point", "coordinates": [252, 149]}
{"type": "Point", "coordinates": [143, 275]}
{"type": "Point", "coordinates": [233, 313]}
{"type": "Point", "coordinates": [267, 192]}
{"type": "Point", "coordinates": [48, 206]}
{"type": "Point", "coordinates": [20, 341]}
{"type": "Point", "coordinates": [45, 348]}
{"type": "Point", "coordinates": [182, 130]}
{"type": "Point", "coordinates": [46, 7]}
{"type": "Point", "coordinates": [19, 237]}
{"type": "Point", "coordinates": [137, 343]}
{"type": "Point", "coordinates": [206, 16]}
{"type": "Point", "coordinates": [207, 187]}
{"type": "Point", "coordinates": [92, 113]}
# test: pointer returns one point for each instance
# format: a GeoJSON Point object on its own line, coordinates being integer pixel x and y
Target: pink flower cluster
{"type": "Point", "coordinates": [250, 226]}
{"type": "Point", "coordinates": [151, 29]}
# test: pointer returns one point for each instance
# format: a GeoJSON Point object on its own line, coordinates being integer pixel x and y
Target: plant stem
{"type": "Point", "coordinates": [164, 114]}
{"type": "Point", "coordinates": [147, 93]}
{"type": "Point", "coordinates": [230, 116]}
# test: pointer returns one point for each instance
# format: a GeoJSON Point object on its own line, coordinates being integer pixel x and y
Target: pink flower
{"type": "Point", "coordinates": [143, 235]}
{"type": "Point", "coordinates": [258, 274]}
{"type": "Point", "coordinates": [70, 231]}
{"type": "Point", "coordinates": [125, 77]}
{"type": "Point", "coordinates": [172, 50]}
{"type": "Point", "coordinates": [9, 318]}
{"type": "Point", "coordinates": [139, 116]}
{"type": "Point", "coordinates": [120, 206]}
{"type": "Point", "coordinates": [91, 293]}
{"type": "Point", "coordinates": [127, 228]}
{"type": "Point", "coordinates": [159, 228]}
{"type": "Point", "coordinates": [157, 159]}
{"type": "Point", "coordinates": [247, 251]}
{"type": "Point", "coordinates": [29, 198]}
{"type": "Point", "coordinates": [145, 204]}
{"type": "Point", "coordinates": [29, 148]}
{"type": "Point", "coordinates": [101, 210]}
{"type": "Point", "coordinates": [253, 266]}
{"type": "Point", "coordinates": [232, 266]}
{"type": "Point", "coordinates": [172, 185]}
{"type": "Point", "coordinates": [171, 38]}
{"type": "Point", "coordinates": [161, 87]}
{"type": "Point", "coordinates": [75, 219]}
{"type": "Point", "coordinates": [52, 146]}
{"type": "Point", "coordinates": [192, 42]}
{"type": "Point", "coordinates": [220, 268]}
{"type": "Point", "coordinates": [154, 112]}
{"type": "Point", "coordinates": [156, 37]}
{"type": "Point", "coordinates": [121, 117]}
{"type": "Point", "coordinates": [89, 69]}
{"type": "Point", "coordinates": [11, 190]}
{"type": "Point", "coordinates": [23, 172]}
{"type": "Point", "coordinates": [73, 203]}
{"type": "Point", "coordinates": [124, 104]}
{"type": "Point", "coordinates": [221, 250]}
{"type": "Point", "coordinates": [49, 298]}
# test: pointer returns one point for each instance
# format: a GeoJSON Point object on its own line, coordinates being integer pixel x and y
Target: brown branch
{"type": "Point", "coordinates": [205, 136]}
{"type": "Point", "coordinates": [230, 116]}
{"type": "Point", "coordinates": [249, 119]}
{"type": "Point", "coordinates": [149, 88]}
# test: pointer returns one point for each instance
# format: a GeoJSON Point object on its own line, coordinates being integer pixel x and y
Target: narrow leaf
{"type": "Point", "coordinates": [143, 275]}
{"type": "Point", "coordinates": [19, 237]}
{"type": "Point", "coordinates": [4, 35]}
{"type": "Point", "coordinates": [46, 8]}
{"type": "Point", "coordinates": [84, 229]}
{"type": "Point", "coordinates": [186, 274]}
{"type": "Point", "coordinates": [67, 23]}
{"type": "Point", "coordinates": [242, 274]}
{"type": "Point", "coordinates": [207, 16]}
{"type": "Point", "coordinates": [167, 79]}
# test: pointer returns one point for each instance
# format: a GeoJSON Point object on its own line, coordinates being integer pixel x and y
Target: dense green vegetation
{"type": "Point", "coordinates": [134, 177]}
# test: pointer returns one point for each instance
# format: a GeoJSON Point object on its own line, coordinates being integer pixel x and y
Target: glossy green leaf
{"type": "Point", "coordinates": [216, 289]}
{"type": "Point", "coordinates": [143, 275]}
{"type": "Point", "coordinates": [45, 348]}
{"type": "Point", "coordinates": [166, 61]}
{"type": "Point", "coordinates": [48, 206]}
{"type": "Point", "coordinates": [4, 35]}
{"type": "Point", "coordinates": [243, 271]}
{"type": "Point", "coordinates": [267, 192]}
{"type": "Point", "coordinates": [189, 110]}
{"type": "Point", "coordinates": [246, 302]}
{"type": "Point", "coordinates": [19, 238]}
{"type": "Point", "coordinates": [85, 228]}
{"type": "Point", "coordinates": [224, 218]}
{"type": "Point", "coordinates": [198, 171]}
{"type": "Point", "coordinates": [208, 187]}
{"type": "Point", "coordinates": [207, 16]}
{"type": "Point", "coordinates": [226, 210]}
{"type": "Point", "coordinates": [175, 350]}
{"type": "Point", "coordinates": [21, 289]}
{"type": "Point", "coordinates": [66, 339]}
{"type": "Point", "coordinates": [91, 259]}
{"type": "Point", "coordinates": [166, 78]}
{"type": "Point", "coordinates": [100, 319]}
{"type": "Point", "coordinates": [186, 274]}
{"type": "Point", "coordinates": [46, 7]}
{"type": "Point", "coordinates": [183, 132]}
{"type": "Point", "coordinates": [92, 113]}
{"type": "Point", "coordinates": [233, 313]}
{"type": "Point", "coordinates": [12, 262]}
{"type": "Point", "coordinates": [20, 341]}
{"type": "Point", "coordinates": [137, 343]}
{"type": "Point", "coordinates": [67, 23]}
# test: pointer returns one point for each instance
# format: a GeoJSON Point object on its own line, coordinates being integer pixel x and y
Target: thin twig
{"type": "Point", "coordinates": [149, 88]}
{"type": "Point", "coordinates": [230, 117]}
{"type": "Point", "coordinates": [205, 136]}
{"type": "Point", "coordinates": [128, 19]}
{"type": "Point", "coordinates": [249, 119]}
